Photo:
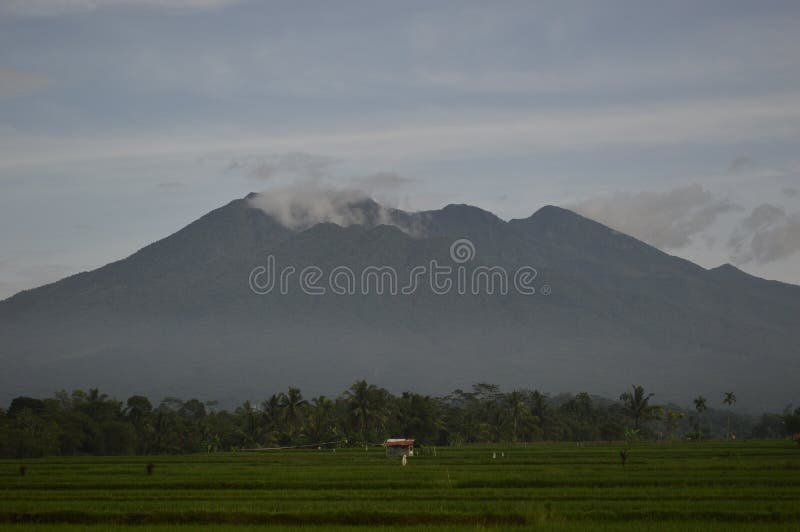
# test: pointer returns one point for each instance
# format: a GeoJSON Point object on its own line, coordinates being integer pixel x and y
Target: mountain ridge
{"type": "Point", "coordinates": [178, 316]}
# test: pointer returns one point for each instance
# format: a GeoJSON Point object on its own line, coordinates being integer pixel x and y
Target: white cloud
{"type": "Point", "coordinates": [716, 121]}
{"type": "Point", "coordinates": [387, 188]}
{"type": "Point", "coordinates": [667, 220]}
{"type": "Point", "coordinates": [768, 234]}
{"type": "Point", "coordinates": [303, 205]}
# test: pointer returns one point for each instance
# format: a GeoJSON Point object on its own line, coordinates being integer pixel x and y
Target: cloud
{"type": "Point", "coordinates": [382, 181]}
{"type": "Point", "coordinates": [742, 165]}
{"type": "Point", "coordinates": [314, 195]}
{"type": "Point", "coordinates": [295, 166]}
{"type": "Point", "coordinates": [667, 220]}
{"type": "Point", "coordinates": [474, 134]}
{"type": "Point", "coordinates": [790, 192]}
{"type": "Point", "coordinates": [302, 205]}
{"type": "Point", "coordinates": [51, 8]}
{"type": "Point", "coordinates": [766, 235]}
{"type": "Point", "coordinates": [388, 188]}
{"type": "Point", "coordinates": [16, 82]}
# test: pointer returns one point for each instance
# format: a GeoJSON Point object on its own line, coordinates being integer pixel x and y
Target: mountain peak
{"type": "Point", "coordinates": [730, 272]}
{"type": "Point", "coordinates": [300, 207]}
{"type": "Point", "coordinates": [592, 241]}
{"type": "Point", "coordinates": [727, 267]}
{"type": "Point", "coordinates": [553, 210]}
{"type": "Point", "coordinates": [463, 210]}
{"type": "Point", "coordinates": [461, 220]}
{"type": "Point", "coordinates": [463, 213]}
{"type": "Point", "coordinates": [552, 217]}
{"type": "Point", "coordinates": [466, 209]}
{"type": "Point", "coordinates": [552, 214]}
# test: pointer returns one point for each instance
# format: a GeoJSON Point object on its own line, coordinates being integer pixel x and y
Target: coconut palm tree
{"type": "Point", "coordinates": [538, 404]}
{"type": "Point", "coordinates": [517, 406]}
{"type": "Point", "coordinates": [321, 420]}
{"type": "Point", "coordinates": [294, 410]}
{"type": "Point", "coordinates": [700, 406]}
{"type": "Point", "coordinates": [730, 400]}
{"type": "Point", "coordinates": [271, 415]}
{"type": "Point", "coordinates": [636, 405]}
{"type": "Point", "coordinates": [249, 422]}
{"type": "Point", "coordinates": [365, 405]}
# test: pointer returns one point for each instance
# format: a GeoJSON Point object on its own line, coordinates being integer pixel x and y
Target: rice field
{"type": "Point", "coordinates": [745, 485]}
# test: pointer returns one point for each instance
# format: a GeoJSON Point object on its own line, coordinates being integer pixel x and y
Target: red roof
{"type": "Point", "coordinates": [398, 442]}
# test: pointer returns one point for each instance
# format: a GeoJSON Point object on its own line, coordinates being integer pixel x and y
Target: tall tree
{"type": "Point", "coordinates": [294, 411]}
{"type": "Point", "coordinates": [271, 417]}
{"type": "Point", "coordinates": [321, 426]}
{"type": "Point", "coordinates": [417, 416]}
{"type": "Point", "coordinates": [516, 408]}
{"type": "Point", "coordinates": [139, 412]}
{"type": "Point", "coordinates": [249, 423]}
{"type": "Point", "coordinates": [540, 410]}
{"type": "Point", "coordinates": [700, 406]}
{"type": "Point", "coordinates": [365, 405]}
{"type": "Point", "coordinates": [730, 400]}
{"type": "Point", "coordinates": [637, 405]}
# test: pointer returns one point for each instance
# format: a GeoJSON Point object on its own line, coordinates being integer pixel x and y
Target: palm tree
{"type": "Point", "coordinates": [271, 410]}
{"type": "Point", "coordinates": [95, 403]}
{"type": "Point", "coordinates": [138, 409]}
{"type": "Point", "coordinates": [700, 406]}
{"type": "Point", "coordinates": [364, 404]}
{"type": "Point", "coordinates": [730, 400]}
{"type": "Point", "coordinates": [249, 420]}
{"type": "Point", "coordinates": [294, 409]}
{"type": "Point", "coordinates": [321, 422]}
{"type": "Point", "coordinates": [139, 412]}
{"type": "Point", "coordinates": [516, 402]}
{"type": "Point", "coordinates": [538, 404]}
{"type": "Point", "coordinates": [636, 405]}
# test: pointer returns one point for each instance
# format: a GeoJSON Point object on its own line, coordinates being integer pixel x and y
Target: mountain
{"type": "Point", "coordinates": [179, 316]}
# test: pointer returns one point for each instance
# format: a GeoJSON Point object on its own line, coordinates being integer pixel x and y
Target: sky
{"type": "Point", "coordinates": [122, 121]}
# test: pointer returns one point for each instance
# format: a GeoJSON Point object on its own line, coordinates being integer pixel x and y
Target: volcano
{"type": "Point", "coordinates": [180, 317]}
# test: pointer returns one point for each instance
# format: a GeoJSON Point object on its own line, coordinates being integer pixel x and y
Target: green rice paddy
{"type": "Point", "coordinates": [744, 485]}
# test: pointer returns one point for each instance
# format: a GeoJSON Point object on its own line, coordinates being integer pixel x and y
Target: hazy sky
{"type": "Point", "coordinates": [122, 120]}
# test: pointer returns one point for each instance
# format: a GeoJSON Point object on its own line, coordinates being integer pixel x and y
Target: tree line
{"type": "Point", "coordinates": [91, 423]}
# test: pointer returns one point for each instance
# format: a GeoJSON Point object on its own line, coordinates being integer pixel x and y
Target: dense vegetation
{"type": "Point", "coordinates": [91, 423]}
{"type": "Point", "coordinates": [708, 485]}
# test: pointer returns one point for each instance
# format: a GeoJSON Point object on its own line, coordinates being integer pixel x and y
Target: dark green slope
{"type": "Point", "coordinates": [178, 317]}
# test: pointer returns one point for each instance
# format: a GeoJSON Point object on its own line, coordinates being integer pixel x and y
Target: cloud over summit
{"type": "Point", "coordinates": [302, 205]}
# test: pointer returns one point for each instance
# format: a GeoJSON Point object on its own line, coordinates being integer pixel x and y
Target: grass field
{"type": "Point", "coordinates": [699, 486]}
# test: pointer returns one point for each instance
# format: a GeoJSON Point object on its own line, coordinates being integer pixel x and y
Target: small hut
{"type": "Point", "coordinates": [398, 447]}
